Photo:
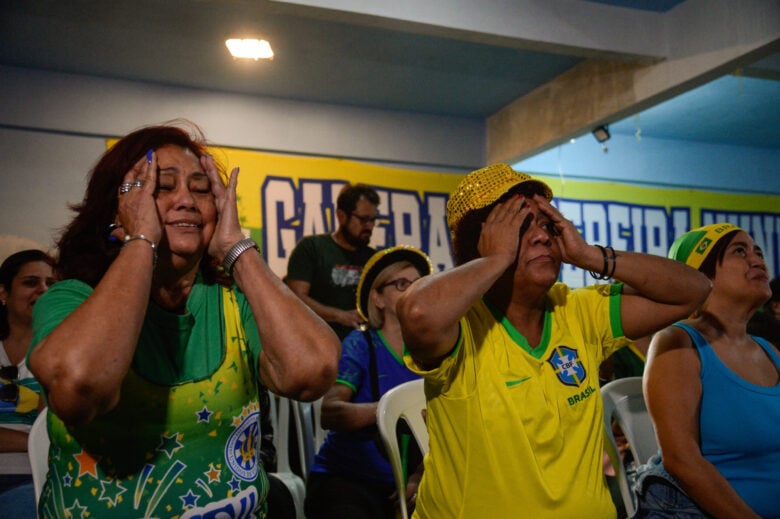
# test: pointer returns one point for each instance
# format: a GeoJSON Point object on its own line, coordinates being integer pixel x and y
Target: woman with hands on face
{"type": "Point", "coordinates": [510, 356]}
{"type": "Point", "coordinates": [151, 350]}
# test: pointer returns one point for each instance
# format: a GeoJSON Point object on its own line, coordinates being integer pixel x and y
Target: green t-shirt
{"type": "Point", "coordinates": [183, 439]}
{"type": "Point", "coordinates": [163, 354]}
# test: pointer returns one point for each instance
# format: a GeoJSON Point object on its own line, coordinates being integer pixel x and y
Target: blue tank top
{"type": "Point", "coordinates": [738, 426]}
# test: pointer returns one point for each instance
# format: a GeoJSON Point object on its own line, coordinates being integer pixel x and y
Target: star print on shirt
{"type": "Point", "coordinates": [110, 490]}
{"type": "Point", "coordinates": [76, 511]}
{"type": "Point", "coordinates": [67, 480]}
{"type": "Point", "coordinates": [87, 464]}
{"type": "Point", "coordinates": [169, 444]}
{"type": "Point", "coordinates": [189, 500]}
{"type": "Point", "coordinates": [204, 415]}
{"type": "Point", "coordinates": [213, 473]}
{"type": "Point", "coordinates": [235, 485]}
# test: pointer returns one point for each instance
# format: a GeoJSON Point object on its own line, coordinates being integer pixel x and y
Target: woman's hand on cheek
{"type": "Point", "coordinates": [500, 235]}
{"type": "Point", "coordinates": [137, 208]}
{"type": "Point", "coordinates": [228, 229]}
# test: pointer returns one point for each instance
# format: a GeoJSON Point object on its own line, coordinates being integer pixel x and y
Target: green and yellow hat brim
{"type": "Point", "coordinates": [693, 247]}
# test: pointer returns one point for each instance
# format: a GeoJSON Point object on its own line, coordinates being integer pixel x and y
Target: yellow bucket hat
{"type": "Point", "coordinates": [385, 258]}
{"type": "Point", "coordinates": [484, 186]}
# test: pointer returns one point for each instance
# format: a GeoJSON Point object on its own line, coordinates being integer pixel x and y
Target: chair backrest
{"type": "Point", "coordinates": [273, 414]}
{"type": "Point", "coordinates": [625, 403]}
{"type": "Point", "coordinates": [292, 481]}
{"type": "Point", "coordinates": [309, 431]}
{"type": "Point", "coordinates": [319, 432]}
{"type": "Point", "coordinates": [404, 402]}
{"type": "Point", "coordinates": [38, 451]}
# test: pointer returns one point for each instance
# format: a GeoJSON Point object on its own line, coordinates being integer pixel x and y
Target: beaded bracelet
{"type": "Point", "coordinates": [132, 237]}
{"type": "Point", "coordinates": [240, 247]}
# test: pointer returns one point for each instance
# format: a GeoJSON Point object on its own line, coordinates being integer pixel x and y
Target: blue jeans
{"type": "Point", "coordinates": [660, 496]}
{"type": "Point", "coordinates": [17, 497]}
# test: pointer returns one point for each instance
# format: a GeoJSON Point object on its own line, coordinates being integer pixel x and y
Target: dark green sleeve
{"type": "Point", "coordinates": [55, 305]}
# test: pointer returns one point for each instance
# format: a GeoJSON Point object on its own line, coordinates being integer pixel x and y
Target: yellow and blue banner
{"type": "Point", "coordinates": [282, 198]}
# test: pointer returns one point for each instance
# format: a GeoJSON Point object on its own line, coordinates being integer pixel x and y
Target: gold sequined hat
{"type": "Point", "coordinates": [484, 186]}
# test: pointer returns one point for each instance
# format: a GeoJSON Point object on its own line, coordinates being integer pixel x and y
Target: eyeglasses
{"type": "Point", "coordinates": [364, 219]}
{"type": "Point", "coordinates": [400, 284]}
{"type": "Point", "coordinates": [9, 391]}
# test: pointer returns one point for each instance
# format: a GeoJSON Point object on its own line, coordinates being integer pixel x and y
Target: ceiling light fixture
{"type": "Point", "coordinates": [601, 134]}
{"type": "Point", "coordinates": [250, 48]}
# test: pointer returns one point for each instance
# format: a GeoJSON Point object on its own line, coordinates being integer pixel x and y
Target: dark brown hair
{"type": "Point", "coordinates": [84, 248]}
{"type": "Point", "coordinates": [715, 256]}
{"type": "Point", "coordinates": [351, 193]}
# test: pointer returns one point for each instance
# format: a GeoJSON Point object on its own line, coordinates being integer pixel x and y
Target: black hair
{"type": "Point", "coordinates": [715, 257]}
{"type": "Point", "coordinates": [9, 270]}
{"type": "Point", "coordinates": [351, 193]}
{"type": "Point", "coordinates": [774, 285]}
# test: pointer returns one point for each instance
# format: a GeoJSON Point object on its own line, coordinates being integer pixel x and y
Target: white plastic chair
{"type": "Point", "coordinates": [309, 432]}
{"type": "Point", "coordinates": [624, 401]}
{"type": "Point", "coordinates": [38, 451]}
{"type": "Point", "coordinates": [292, 481]}
{"type": "Point", "coordinates": [404, 402]}
{"type": "Point", "coordinates": [319, 432]}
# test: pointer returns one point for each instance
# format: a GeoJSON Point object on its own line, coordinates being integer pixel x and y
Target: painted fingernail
{"type": "Point", "coordinates": [149, 156]}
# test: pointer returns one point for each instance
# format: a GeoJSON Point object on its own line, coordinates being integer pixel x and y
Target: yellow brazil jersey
{"type": "Point", "coordinates": [516, 431]}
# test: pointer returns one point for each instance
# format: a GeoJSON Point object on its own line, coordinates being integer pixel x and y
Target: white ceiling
{"type": "Point", "coordinates": [329, 51]}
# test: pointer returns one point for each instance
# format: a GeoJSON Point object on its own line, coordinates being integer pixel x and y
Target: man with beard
{"type": "Point", "coordinates": [324, 269]}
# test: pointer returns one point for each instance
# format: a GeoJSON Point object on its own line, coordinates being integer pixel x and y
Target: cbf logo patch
{"type": "Point", "coordinates": [567, 366]}
{"type": "Point", "coordinates": [241, 449]}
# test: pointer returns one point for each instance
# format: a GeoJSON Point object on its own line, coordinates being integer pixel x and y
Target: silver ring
{"type": "Point", "coordinates": [128, 186]}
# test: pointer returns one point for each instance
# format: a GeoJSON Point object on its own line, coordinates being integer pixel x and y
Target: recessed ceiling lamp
{"type": "Point", "coordinates": [250, 48]}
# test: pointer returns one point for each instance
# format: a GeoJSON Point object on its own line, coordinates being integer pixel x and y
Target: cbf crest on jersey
{"type": "Point", "coordinates": [567, 365]}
